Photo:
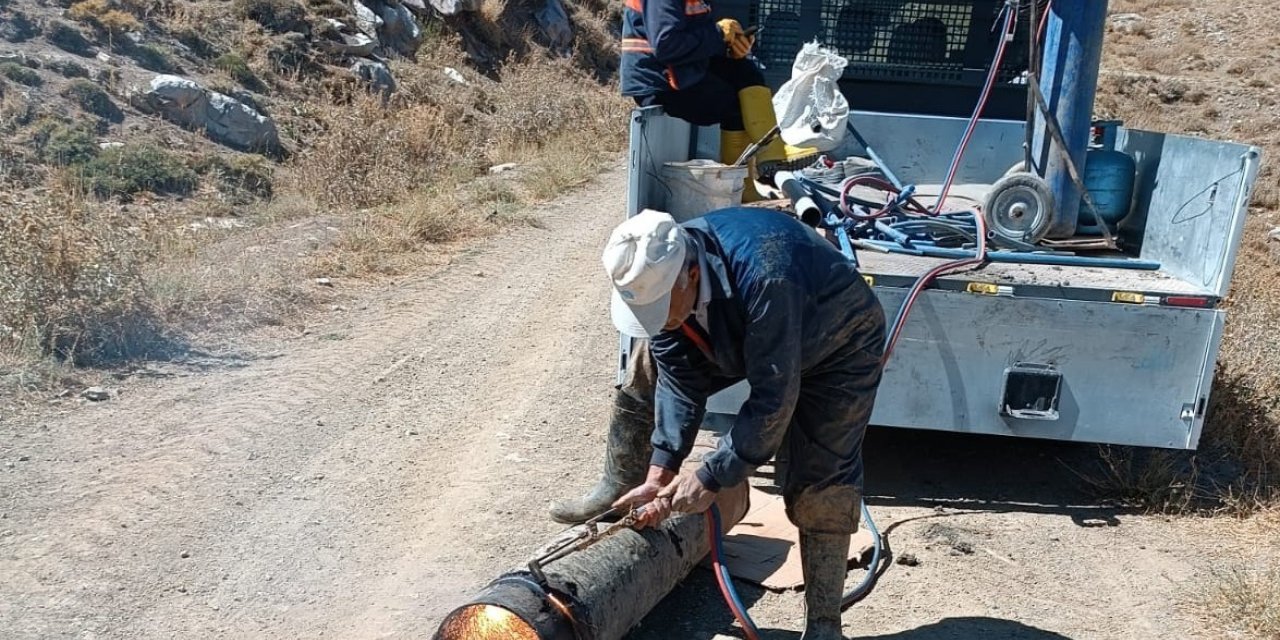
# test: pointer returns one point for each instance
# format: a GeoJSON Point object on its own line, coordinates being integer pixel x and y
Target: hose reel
{"type": "Point", "coordinates": [1020, 207]}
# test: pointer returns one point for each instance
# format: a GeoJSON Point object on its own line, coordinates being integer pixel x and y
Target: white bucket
{"type": "Point", "coordinates": [699, 186]}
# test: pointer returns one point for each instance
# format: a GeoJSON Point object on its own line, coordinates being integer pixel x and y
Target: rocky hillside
{"type": "Point", "coordinates": [139, 139]}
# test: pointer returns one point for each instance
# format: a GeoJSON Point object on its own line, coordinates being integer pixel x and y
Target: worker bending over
{"type": "Point", "coordinates": [676, 56]}
{"type": "Point", "coordinates": [738, 294]}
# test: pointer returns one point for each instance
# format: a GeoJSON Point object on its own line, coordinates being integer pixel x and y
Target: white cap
{"type": "Point", "coordinates": [644, 257]}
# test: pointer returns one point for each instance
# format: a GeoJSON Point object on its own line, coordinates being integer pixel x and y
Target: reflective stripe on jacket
{"type": "Point", "coordinates": [667, 45]}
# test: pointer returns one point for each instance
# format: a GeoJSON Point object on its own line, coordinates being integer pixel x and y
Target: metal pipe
{"type": "Point", "coordinates": [807, 209]}
{"type": "Point", "coordinates": [875, 157]}
{"type": "Point", "coordinates": [598, 593]}
{"type": "Point", "coordinates": [1017, 257]}
{"type": "Point", "coordinates": [1072, 56]}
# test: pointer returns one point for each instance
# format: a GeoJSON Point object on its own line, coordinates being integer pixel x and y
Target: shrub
{"type": "Point", "coordinates": [21, 74]}
{"type": "Point", "coordinates": [69, 69]}
{"type": "Point", "coordinates": [133, 169]}
{"type": "Point", "coordinates": [153, 58]}
{"type": "Point", "coordinates": [103, 15]}
{"type": "Point", "coordinates": [17, 27]}
{"type": "Point", "coordinates": [234, 65]}
{"type": "Point", "coordinates": [68, 38]}
{"type": "Point", "coordinates": [92, 99]}
{"type": "Point", "coordinates": [279, 16]}
{"type": "Point", "coordinates": [197, 43]}
{"type": "Point", "coordinates": [240, 179]}
{"type": "Point", "coordinates": [64, 144]}
{"type": "Point", "coordinates": [71, 284]}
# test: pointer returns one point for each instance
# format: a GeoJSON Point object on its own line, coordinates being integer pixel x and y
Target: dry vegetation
{"type": "Point", "coordinates": [124, 252]}
{"type": "Point", "coordinates": [1212, 69]}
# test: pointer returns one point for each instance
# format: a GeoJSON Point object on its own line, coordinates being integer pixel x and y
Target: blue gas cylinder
{"type": "Point", "coordinates": [1110, 177]}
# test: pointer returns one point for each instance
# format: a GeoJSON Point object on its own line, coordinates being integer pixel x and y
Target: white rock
{"type": "Point", "coordinates": [376, 74]}
{"type": "Point", "coordinates": [96, 394]}
{"type": "Point", "coordinates": [356, 44]}
{"type": "Point", "coordinates": [400, 30]}
{"type": "Point", "coordinates": [454, 7]}
{"type": "Point", "coordinates": [324, 282]}
{"type": "Point", "coordinates": [502, 168]}
{"type": "Point", "coordinates": [220, 117]}
{"type": "Point", "coordinates": [110, 145]}
{"type": "Point", "coordinates": [455, 75]}
{"type": "Point", "coordinates": [366, 20]}
{"type": "Point", "coordinates": [417, 6]}
{"type": "Point", "coordinates": [1275, 234]}
{"type": "Point", "coordinates": [1128, 23]}
{"type": "Point", "coordinates": [218, 223]}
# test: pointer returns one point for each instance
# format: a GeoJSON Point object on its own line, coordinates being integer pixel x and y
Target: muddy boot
{"type": "Point", "coordinates": [626, 461]}
{"type": "Point", "coordinates": [825, 559]}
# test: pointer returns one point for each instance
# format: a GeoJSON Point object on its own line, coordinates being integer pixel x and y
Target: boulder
{"type": "Point", "coordinates": [367, 20]}
{"type": "Point", "coordinates": [355, 44]}
{"type": "Point", "coordinates": [1130, 23]}
{"type": "Point", "coordinates": [417, 6]}
{"type": "Point", "coordinates": [400, 30]}
{"type": "Point", "coordinates": [454, 7]}
{"type": "Point", "coordinates": [555, 24]}
{"type": "Point", "coordinates": [222, 118]}
{"type": "Point", "coordinates": [376, 74]}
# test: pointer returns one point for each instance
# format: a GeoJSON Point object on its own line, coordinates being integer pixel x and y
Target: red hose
{"type": "Point", "coordinates": [726, 590]}
{"type": "Point", "coordinates": [977, 114]}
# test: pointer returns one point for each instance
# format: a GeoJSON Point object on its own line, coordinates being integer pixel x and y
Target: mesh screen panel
{"type": "Point", "coordinates": [943, 41]}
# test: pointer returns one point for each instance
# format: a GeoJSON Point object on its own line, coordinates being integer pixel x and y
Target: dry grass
{"type": "Point", "coordinates": [70, 280]}
{"type": "Point", "coordinates": [1244, 599]}
{"type": "Point", "coordinates": [413, 166]}
{"type": "Point", "coordinates": [375, 187]}
{"type": "Point", "coordinates": [1205, 69]}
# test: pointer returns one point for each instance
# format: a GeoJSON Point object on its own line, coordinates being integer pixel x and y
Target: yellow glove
{"type": "Point", "coordinates": [736, 40]}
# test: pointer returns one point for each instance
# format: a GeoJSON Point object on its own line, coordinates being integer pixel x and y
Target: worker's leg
{"type": "Point", "coordinates": [824, 483]}
{"type": "Point", "coordinates": [627, 450]}
{"type": "Point", "coordinates": [756, 104]}
{"type": "Point", "coordinates": [712, 101]}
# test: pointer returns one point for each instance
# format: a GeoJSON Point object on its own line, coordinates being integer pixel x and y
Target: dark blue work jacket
{"type": "Point", "coordinates": [667, 45]}
{"type": "Point", "coordinates": [782, 300]}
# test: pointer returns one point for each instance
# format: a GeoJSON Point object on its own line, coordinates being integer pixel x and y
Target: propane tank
{"type": "Point", "coordinates": [1109, 177]}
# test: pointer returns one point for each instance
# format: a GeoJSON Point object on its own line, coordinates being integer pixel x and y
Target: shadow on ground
{"type": "Point", "coordinates": [909, 468]}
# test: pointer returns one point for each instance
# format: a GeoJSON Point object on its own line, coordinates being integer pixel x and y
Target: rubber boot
{"type": "Point", "coordinates": [825, 560]}
{"type": "Point", "coordinates": [759, 118]}
{"type": "Point", "coordinates": [626, 461]}
{"type": "Point", "coordinates": [732, 144]}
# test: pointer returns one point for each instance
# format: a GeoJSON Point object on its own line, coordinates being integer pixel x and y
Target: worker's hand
{"type": "Point", "coordinates": [687, 494]}
{"type": "Point", "coordinates": [738, 44]}
{"type": "Point", "coordinates": [655, 509]}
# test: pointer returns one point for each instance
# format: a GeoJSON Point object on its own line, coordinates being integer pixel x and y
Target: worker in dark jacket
{"type": "Point", "coordinates": [749, 294]}
{"type": "Point", "coordinates": [675, 55]}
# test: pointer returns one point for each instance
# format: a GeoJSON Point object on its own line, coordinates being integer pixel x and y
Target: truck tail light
{"type": "Point", "coordinates": [1198, 302]}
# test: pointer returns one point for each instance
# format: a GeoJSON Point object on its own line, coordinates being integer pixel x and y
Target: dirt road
{"type": "Point", "coordinates": [360, 480]}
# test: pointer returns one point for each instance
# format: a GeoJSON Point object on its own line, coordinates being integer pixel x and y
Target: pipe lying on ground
{"type": "Point", "coordinates": [598, 593]}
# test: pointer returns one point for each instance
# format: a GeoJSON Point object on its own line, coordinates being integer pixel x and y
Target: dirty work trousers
{"type": "Point", "coordinates": [823, 486]}
{"type": "Point", "coordinates": [714, 99]}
